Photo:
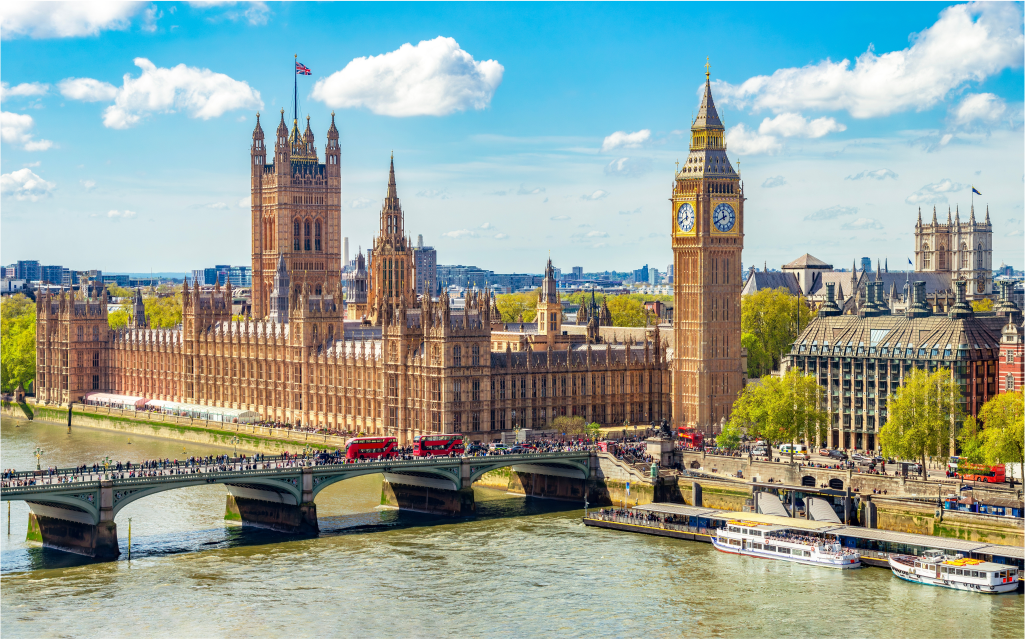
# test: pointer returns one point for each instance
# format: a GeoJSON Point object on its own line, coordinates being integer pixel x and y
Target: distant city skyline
{"type": "Point", "coordinates": [562, 139]}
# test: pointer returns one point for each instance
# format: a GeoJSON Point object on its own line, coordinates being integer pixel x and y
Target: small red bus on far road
{"type": "Point", "coordinates": [371, 448]}
{"type": "Point", "coordinates": [438, 445]}
{"type": "Point", "coordinates": [980, 472]}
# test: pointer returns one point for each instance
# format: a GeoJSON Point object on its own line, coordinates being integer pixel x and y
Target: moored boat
{"type": "Point", "coordinates": [955, 571]}
{"type": "Point", "coordinates": [770, 541]}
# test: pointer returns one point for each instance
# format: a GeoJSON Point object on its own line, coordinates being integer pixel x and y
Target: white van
{"type": "Point", "coordinates": [798, 449]}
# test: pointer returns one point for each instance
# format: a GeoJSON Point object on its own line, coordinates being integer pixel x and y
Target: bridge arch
{"type": "Point", "coordinates": [73, 502]}
{"type": "Point", "coordinates": [124, 495]}
{"type": "Point", "coordinates": [569, 468]}
{"type": "Point", "coordinates": [322, 480]}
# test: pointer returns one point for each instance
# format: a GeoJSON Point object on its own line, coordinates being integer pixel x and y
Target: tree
{"type": "Point", "coordinates": [772, 317]}
{"type": "Point", "coordinates": [730, 436]}
{"type": "Point", "coordinates": [782, 409]}
{"type": "Point", "coordinates": [1002, 440]}
{"type": "Point", "coordinates": [163, 312]}
{"type": "Point", "coordinates": [113, 290]}
{"type": "Point", "coordinates": [921, 417]}
{"type": "Point", "coordinates": [627, 310]}
{"type": "Point", "coordinates": [18, 337]}
{"type": "Point", "coordinates": [513, 305]}
{"type": "Point", "coordinates": [983, 305]}
{"type": "Point", "coordinates": [574, 425]}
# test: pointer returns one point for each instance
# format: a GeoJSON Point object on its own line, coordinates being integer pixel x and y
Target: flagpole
{"type": "Point", "coordinates": [295, 91]}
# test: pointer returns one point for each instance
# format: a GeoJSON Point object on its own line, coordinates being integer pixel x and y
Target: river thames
{"type": "Point", "coordinates": [521, 567]}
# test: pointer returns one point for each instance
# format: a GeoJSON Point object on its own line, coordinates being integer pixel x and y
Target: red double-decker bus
{"type": "Point", "coordinates": [980, 472]}
{"type": "Point", "coordinates": [438, 445]}
{"type": "Point", "coordinates": [690, 437]}
{"type": "Point", "coordinates": [371, 448]}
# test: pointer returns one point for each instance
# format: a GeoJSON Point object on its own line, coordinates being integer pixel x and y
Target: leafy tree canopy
{"type": "Point", "coordinates": [782, 409]}
{"type": "Point", "coordinates": [771, 318]}
{"type": "Point", "coordinates": [921, 416]}
{"type": "Point", "coordinates": [18, 337]}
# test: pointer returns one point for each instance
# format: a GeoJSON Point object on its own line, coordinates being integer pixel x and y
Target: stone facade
{"type": "Point", "coordinates": [964, 249]}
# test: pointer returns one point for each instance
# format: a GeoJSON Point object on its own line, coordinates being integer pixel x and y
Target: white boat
{"type": "Point", "coordinates": [934, 568]}
{"type": "Point", "coordinates": [770, 541]}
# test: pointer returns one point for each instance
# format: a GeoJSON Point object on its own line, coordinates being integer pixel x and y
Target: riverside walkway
{"type": "Point", "coordinates": [73, 509]}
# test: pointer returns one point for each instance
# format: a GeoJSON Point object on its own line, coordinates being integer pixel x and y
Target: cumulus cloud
{"type": "Point", "coordinates": [622, 139]}
{"type": "Point", "coordinates": [199, 92]}
{"type": "Point", "coordinates": [150, 17]}
{"type": "Point", "coordinates": [628, 167]}
{"type": "Point", "coordinates": [487, 226]}
{"type": "Point", "coordinates": [984, 110]}
{"type": "Point", "coordinates": [878, 174]}
{"type": "Point", "coordinates": [744, 141]}
{"type": "Point", "coordinates": [501, 236]}
{"type": "Point", "coordinates": [773, 182]}
{"type": "Point", "coordinates": [16, 128]}
{"type": "Point", "coordinates": [88, 185]}
{"type": "Point", "coordinates": [461, 234]}
{"type": "Point", "coordinates": [87, 90]}
{"type": "Point", "coordinates": [361, 203]}
{"type": "Point", "coordinates": [862, 224]}
{"type": "Point", "coordinates": [935, 193]}
{"type": "Point", "coordinates": [559, 218]}
{"type": "Point", "coordinates": [441, 194]}
{"type": "Point", "coordinates": [794, 125]}
{"type": "Point", "coordinates": [523, 190]}
{"type": "Point", "coordinates": [245, 202]}
{"type": "Point", "coordinates": [435, 77]}
{"type": "Point", "coordinates": [968, 43]}
{"type": "Point", "coordinates": [597, 195]}
{"type": "Point", "coordinates": [832, 213]}
{"type": "Point", "coordinates": [254, 13]}
{"type": "Point", "coordinates": [65, 19]}
{"type": "Point", "coordinates": [593, 234]}
{"type": "Point", "coordinates": [23, 184]}
{"type": "Point", "coordinates": [121, 215]}
{"type": "Point", "coordinates": [23, 90]}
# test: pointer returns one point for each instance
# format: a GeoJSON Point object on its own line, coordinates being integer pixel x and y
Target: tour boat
{"type": "Point", "coordinates": [934, 568]}
{"type": "Point", "coordinates": [771, 541]}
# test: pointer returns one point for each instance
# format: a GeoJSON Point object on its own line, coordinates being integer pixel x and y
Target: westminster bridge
{"type": "Point", "coordinates": [73, 509]}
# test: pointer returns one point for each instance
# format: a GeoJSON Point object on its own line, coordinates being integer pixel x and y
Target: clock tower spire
{"type": "Point", "coordinates": [707, 237]}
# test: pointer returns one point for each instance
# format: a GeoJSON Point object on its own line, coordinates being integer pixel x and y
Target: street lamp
{"type": "Point", "coordinates": [106, 467]}
{"type": "Point", "coordinates": [38, 453]}
{"type": "Point", "coordinates": [234, 443]}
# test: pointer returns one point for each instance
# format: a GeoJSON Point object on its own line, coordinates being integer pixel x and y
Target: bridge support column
{"type": "Point", "coordinates": [427, 495]}
{"type": "Point", "coordinates": [549, 486]}
{"type": "Point", "coordinates": [73, 530]}
{"type": "Point", "coordinates": [276, 511]}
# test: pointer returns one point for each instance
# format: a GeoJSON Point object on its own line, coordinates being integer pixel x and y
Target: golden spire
{"type": "Point", "coordinates": [708, 66]}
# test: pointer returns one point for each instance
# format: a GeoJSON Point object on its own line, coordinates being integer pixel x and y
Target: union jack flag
{"type": "Point", "coordinates": [301, 69]}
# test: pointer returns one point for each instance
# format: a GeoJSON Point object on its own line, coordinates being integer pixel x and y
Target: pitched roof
{"type": "Point", "coordinates": [760, 280]}
{"type": "Point", "coordinates": [807, 261]}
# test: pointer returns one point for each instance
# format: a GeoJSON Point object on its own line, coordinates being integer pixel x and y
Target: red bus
{"type": "Point", "coordinates": [979, 472]}
{"type": "Point", "coordinates": [371, 448]}
{"type": "Point", "coordinates": [690, 437]}
{"type": "Point", "coordinates": [438, 445]}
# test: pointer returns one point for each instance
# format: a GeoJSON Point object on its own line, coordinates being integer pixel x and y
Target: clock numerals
{"type": "Point", "coordinates": [685, 217]}
{"type": "Point", "coordinates": [724, 217]}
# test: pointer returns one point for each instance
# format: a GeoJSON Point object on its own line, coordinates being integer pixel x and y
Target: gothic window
{"type": "Point", "coordinates": [978, 257]}
{"type": "Point", "coordinates": [965, 263]}
{"type": "Point", "coordinates": [96, 334]}
{"type": "Point", "coordinates": [475, 390]}
{"type": "Point", "coordinates": [475, 355]}
{"type": "Point", "coordinates": [306, 228]}
{"type": "Point", "coordinates": [316, 235]}
{"type": "Point", "coordinates": [457, 391]}
{"type": "Point", "coordinates": [926, 257]}
{"type": "Point", "coordinates": [78, 333]}
{"type": "Point", "coordinates": [96, 359]}
{"type": "Point", "coordinates": [295, 235]}
{"type": "Point", "coordinates": [457, 356]}
{"type": "Point", "coordinates": [941, 258]}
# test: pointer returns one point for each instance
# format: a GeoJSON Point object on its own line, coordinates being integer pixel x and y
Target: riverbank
{"type": "Point", "coordinates": [274, 441]}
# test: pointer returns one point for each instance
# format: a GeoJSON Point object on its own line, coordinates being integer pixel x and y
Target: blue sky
{"type": "Point", "coordinates": [518, 129]}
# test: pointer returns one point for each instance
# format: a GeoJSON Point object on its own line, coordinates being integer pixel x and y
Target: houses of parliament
{"type": "Point", "coordinates": [390, 362]}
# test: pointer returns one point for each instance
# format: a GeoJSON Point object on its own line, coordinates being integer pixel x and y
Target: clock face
{"type": "Point", "coordinates": [724, 217]}
{"type": "Point", "coordinates": [685, 217]}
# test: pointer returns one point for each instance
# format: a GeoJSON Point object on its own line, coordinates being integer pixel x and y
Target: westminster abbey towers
{"type": "Point", "coordinates": [708, 237]}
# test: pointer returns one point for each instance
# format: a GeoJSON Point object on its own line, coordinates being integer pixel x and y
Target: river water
{"type": "Point", "coordinates": [521, 567]}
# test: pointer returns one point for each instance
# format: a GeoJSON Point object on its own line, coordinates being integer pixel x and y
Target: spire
{"type": "Point", "coordinates": [987, 215]}
{"type": "Point", "coordinates": [957, 215]}
{"type": "Point", "coordinates": [948, 216]}
{"type": "Point", "coordinates": [886, 265]}
{"type": "Point", "coordinates": [919, 216]}
{"type": "Point", "coordinates": [392, 191]}
{"type": "Point", "coordinates": [971, 220]}
{"type": "Point", "coordinates": [934, 214]}
{"type": "Point", "coordinates": [708, 117]}
{"type": "Point", "coordinates": [878, 271]}
{"type": "Point", "coordinates": [332, 129]}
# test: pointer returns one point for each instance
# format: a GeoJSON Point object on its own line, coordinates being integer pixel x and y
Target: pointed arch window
{"type": "Point", "coordinates": [965, 258]}
{"type": "Point", "coordinates": [295, 235]}
{"type": "Point", "coordinates": [941, 258]}
{"type": "Point", "coordinates": [978, 257]}
{"type": "Point", "coordinates": [926, 257]}
{"type": "Point", "coordinates": [306, 241]}
{"type": "Point", "coordinates": [316, 235]}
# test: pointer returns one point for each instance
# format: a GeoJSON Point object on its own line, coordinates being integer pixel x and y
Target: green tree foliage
{"type": "Point", "coordinates": [120, 318]}
{"type": "Point", "coordinates": [512, 305]}
{"type": "Point", "coordinates": [771, 317]}
{"type": "Point", "coordinates": [782, 409]}
{"type": "Point", "coordinates": [18, 339]}
{"type": "Point", "coordinates": [1002, 440]}
{"type": "Point", "coordinates": [627, 310]}
{"type": "Point", "coordinates": [113, 290]}
{"type": "Point", "coordinates": [971, 443]}
{"type": "Point", "coordinates": [730, 436]}
{"type": "Point", "coordinates": [164, 312]}
{"type": "Point", "coordinates": [921, 417]}
{"type": "Point", "coordinates": [983, 305]}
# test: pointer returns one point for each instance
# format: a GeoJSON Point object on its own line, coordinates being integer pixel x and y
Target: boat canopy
{"type": "Point", "coordinates": [111, 400]}
{"type": "Point", "coordinates": [196, 411]}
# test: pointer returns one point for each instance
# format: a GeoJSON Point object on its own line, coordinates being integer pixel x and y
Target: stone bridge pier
{"type": "Point", "coordinates": [82, 523]}
{"type": "Point", "coordinates": [264, 507]}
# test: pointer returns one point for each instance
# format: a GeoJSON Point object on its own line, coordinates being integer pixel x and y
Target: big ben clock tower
{"type": "Point", "coordinates": [708, 236]}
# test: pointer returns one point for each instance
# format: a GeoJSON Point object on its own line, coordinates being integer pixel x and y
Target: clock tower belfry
{"type": "Point", "coordinates": [708, 237]}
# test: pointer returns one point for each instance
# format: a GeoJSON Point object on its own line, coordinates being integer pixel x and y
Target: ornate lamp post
{"type": "Point", "coordinates": [234, 443]}
{"type": "Point", "coordinates": [38, 453]}
{"type": "Point", "coordinates": [106, 467]}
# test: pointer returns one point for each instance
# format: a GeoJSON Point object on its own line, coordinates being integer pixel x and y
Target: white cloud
{"type": "Point", "coordinates": [200, 92]}
{"type": "Point", "coordinates": [794, 125]}
{"type": "Point", "coordinates": [525, 191]}
{"type": "Point", "coordinates": [65, 19]}
{"type": "Point", "coordinates": [773, 182]}
{"type": "Point", "coordinates": [877, 174]}
{"type": "Point", "coordinates": [593, 234]}
{"type": "Point", "coordinates": [16, 128]}
{"type": "Point", "coordinates": [501, 236]}
{"type": "Point", "coordinates": [220, 206]}
{"type": "Point", "coordinates": [832, 213]}
{"type": "Point", "coordinates": [32, 164]}
{"type": "Point", "coordinates": [742, 141]}
{"type": "Point", "coordinates": [622, 139]}
{"type": "Point", "coordinates": [88, 185]}
{"type": "Point", "coordinates": [935, 193]}
{"type": "Point", "coordinates": [441, 194]}
{"type": "Point", "coordinates": [460, 234]}
{"type": "Point", "coordinates": [983, 108]}
{"type": "Point", "coordinates": [245, 202]}
{"type": "Point", "coordinates": [487, 225]}
{"type": "Point", "coordinates": [628, 167]}
{"type": "Point", "coordinates": [559, 218]}
{"type": "Point", "coordinates": [597, 195]}
{"type": "Point", "coordinates": [23, 90]}
{"type": "Point", "coordinates": [255, 13]}
{"type": "Point", "coordinates": [862, 224]}
{"type": "Point", "coordinates": [361, 203]}
{"type": "Point", "coordinates": [122, 215]}
{"type": "Point", "coordinates": [23, 184]}
{"type": "Point", "coordinates": [435, 77]}
{"type": "Point", "coordinates": [150, 17]}
{"type": "Point", "coordinates": [968, 43]}
{"type": "Point", "coordinates": [87, 90]}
